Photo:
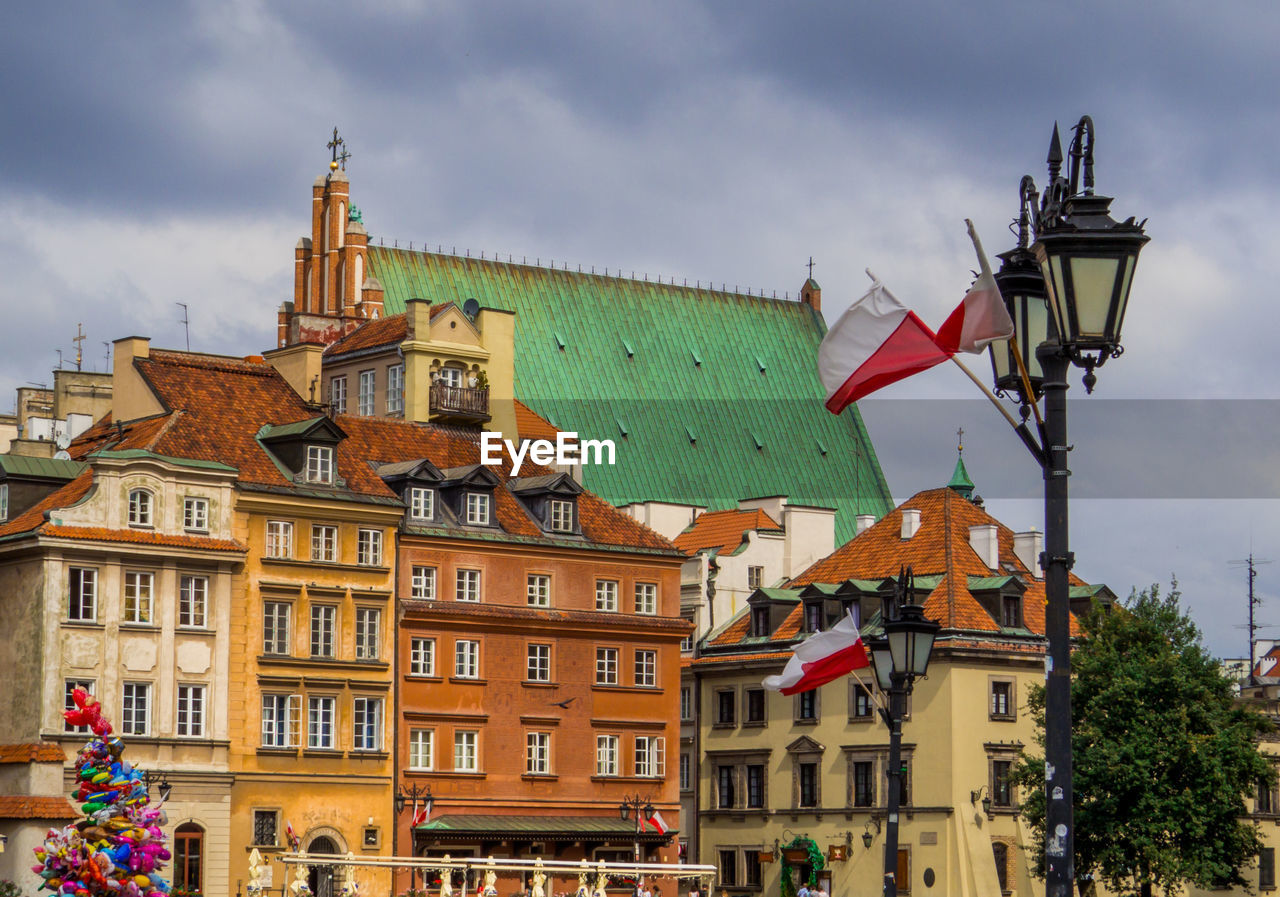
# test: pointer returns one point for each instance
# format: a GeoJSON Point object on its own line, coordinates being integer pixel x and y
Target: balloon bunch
{"type": "Point", "coordinates": [118, 849]}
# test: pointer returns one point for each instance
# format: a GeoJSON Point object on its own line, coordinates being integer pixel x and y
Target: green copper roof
{"type": "Point", "coordinates": [709, 396]}
{"type": "Point", "coordinates": [960, 479]}
{"type": "Point", "coordinates": [40, 468]}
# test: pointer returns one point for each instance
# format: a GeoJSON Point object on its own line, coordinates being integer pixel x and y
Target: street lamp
{"type": "Point", "coordinates": [1086, 261]}
{"type": "Point", "coordinates": [641, 809]}
{"type": "Point", "coordinates": [899, 657]}
{"type": "Point", "coordinates": [165, 788]}
{"type": "Point", "coordinates": [409, 798]}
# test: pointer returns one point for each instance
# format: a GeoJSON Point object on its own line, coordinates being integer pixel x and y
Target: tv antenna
{"type": "Point", "coordinates": [1251, 564]}
{"type": "Point", "coordinates": [186, 323]}
{"type": "Point", "coordinates": [79, 339]}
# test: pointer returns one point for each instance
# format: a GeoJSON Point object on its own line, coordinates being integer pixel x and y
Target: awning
{"type": "Point", "coordinates": [538, 828]}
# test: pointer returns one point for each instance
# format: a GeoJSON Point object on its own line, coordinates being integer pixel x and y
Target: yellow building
{"type": "Point", "coordinates": [796, 785]}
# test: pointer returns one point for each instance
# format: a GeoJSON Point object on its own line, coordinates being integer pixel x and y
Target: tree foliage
{"type": "Point", "coordinates": [1163, 755]}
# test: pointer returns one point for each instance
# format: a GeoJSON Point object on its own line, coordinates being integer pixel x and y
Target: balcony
{"type": "Point", "coordinates": [460, 404]}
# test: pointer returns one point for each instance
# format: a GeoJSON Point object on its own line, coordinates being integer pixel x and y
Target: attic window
{"type": "Point", "coordinates": [140, 503]}
{"type": "Point", "coordinates": [760, 622]}
{"type": "Point", "coordinates": [319, 464]}
{"type": "Point", "coordinates": [422, 503]}
{"type": "Point", "coordinates": [478, 509]}
{"type": "Point", "coordinates": [1011, 612]}
{"type": "Point", "coordinates": [561, 515]}
{"type": "Point", "coordinates": [813, 616]}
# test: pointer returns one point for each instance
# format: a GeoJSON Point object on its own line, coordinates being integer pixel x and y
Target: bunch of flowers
{"type": "Point", "coordinates": [118, 848]}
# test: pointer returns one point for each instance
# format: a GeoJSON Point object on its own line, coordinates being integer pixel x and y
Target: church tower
{"type": "Point", "coordinates": [333, 293]}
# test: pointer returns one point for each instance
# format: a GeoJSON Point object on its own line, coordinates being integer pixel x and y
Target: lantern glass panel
{"type": "Point", "coordinates": [1094, 282]}
{"type": "Point", "coordinates": [883, 663]}
{"type": "Point", "coordinates": [921, 648]}
{"type": "Point", "coordinates": [1035, 332]}
{"type": "Point", "coordinates": [1000, 360]}
{"type": "Point", "coordinates": [900, 648]}
{"type": "Point", "coordinates": [1124, 293]}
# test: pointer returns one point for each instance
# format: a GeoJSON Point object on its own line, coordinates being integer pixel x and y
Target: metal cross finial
{"type": "Point", "coordinates": [960, 439]}
{"type": "Point", "coordinates": [78, 339]}
{"type": "Point", "coordinates": [335, 143]}
{"type": "Point", "coordinates": [344, 156]}
{"type": "Point", "coordinates": [810, 267]}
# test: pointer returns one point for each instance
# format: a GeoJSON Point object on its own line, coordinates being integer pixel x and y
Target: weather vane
{"type": "Point", "coordinates": [338, 147]}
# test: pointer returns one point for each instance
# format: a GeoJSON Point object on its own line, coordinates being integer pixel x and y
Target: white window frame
{"type": "Point", "coordinates": [646, 668]}
{"type": "Point", "coordinates": [422, 503]}
{"type": "Point", "coordinates": [368, 633]}
{"type": "Point", "coordinates": [141, 507]}
{"type": "Point", "coordinates": [277, 628]}
{"type": "Point", "coordinates": [324, 624]}
{"type": "Point", "coordinates": [422, 584]}
{"type": "Point", "coordinates": [369, 547]}
{"type": "Point", "coordinates": [366, 723]}
{"type": "Point", "coordinates": [422, 749]}
{"type": "Point", "coordinates": [68, 702]}
{"type": "Point", "coordinates": [686, 704]}
{"type": "Point", "coordinates": [467, 585]}
{"type": "Point", "coordinates": [607, 755]}
{"type": "Point", "coordinates": [466, 659]}
{"type": "Point", "coordinates": [647, 598]}
{"type": "Point", "coordinates": [538, 590]}
{"type": "Point", "coordinates": [279, 539]}
{"type": "Point", "coordinates": [365, 396]}
{"type": "Point", "coordinates": [422, 657]}
{"type": "Point", "coordinates": [395, 389]}
{"type": "Point", "coordinates": [324, 543]}
{"type": "Point", "coordinates": [560, 515]}
{"type": "Point", "coordinates": [189, 720]}
{"type": "Point", "coordinates": [466, 750]}
{"type": "Point", "coordinates": [479, 510]}
{"type": "Point", "coordinates": [139, 598]}
{"type": "Point", "coordinates": [321, 722]}
{"type": "Point", "coordinates": [338, 394]}
{"type": "Point", "coordinates": [538, 662]}
{"type": "Point", "coordinates": [650, 756]}
{"type": "Point", "coordinates": [319, 464]}
{"type": "Point", "coordinates": [88, 582]}
{"type": "Point", "coordinates": [537, 753]}
{"type": "Point", "coordinates": [607, 595]}
{"type": "Point", "coordinates": [195, 514]}
{"type": "Point", "coordinates": [135, 711]}
{"type": "Point", "coordinates": [607, 666]}
{"type": "Point", "coordinates": [193, 601]}
{"type": "Point", "coordinates": [281, 720]}
{"type": "Point", "coordinates": [451, 376]}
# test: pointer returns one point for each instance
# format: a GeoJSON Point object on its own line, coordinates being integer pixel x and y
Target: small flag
{"type": "Point", "coordinates": [294, 841]}
{"type": "Point", "coordinates": [821, 658]}
{"type": "Point", "coordinates": [659, 824]}
{"type": "Point", "coordinates": [423, 815]}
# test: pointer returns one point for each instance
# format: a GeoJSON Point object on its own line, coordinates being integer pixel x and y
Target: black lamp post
{"type": "Point", "coordinates": [633, 805]}
{"type": "Point", "coordinates": [899, 657]}
{"type": "Point", "coordinates": [1086, 262]}
{"type": "Point", "coordinates": [408, 798]}
{"type": "Point", "coordinates": [148, 776]}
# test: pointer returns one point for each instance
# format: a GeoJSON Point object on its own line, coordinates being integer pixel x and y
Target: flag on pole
{"type": "Point", "coordinates": [659, 824]}
{"type": "Point", "coordinates": [821, 658]}
{"type": "Point", "coordinates": [878, 340]}
{"type": "Point", "coordinates": [423, 815]}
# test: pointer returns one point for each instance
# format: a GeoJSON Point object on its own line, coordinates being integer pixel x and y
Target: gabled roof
{"type": "Point", "coordinates": [302, 429]}
{"type": "Point", "coordinates": [724, 531]}
{"type": "Point", "coordinates": [559, 483]}
{"type": "Point", "coordinates": [380, 333]}
{"type": "Point", "coordinates": [709, 395]}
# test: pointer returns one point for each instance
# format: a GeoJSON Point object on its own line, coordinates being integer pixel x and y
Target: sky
{"type": "Point", "coordinates": [163, 155]}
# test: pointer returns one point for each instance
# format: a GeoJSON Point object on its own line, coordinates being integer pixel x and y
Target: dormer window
{"type": "Point", "coordinates": [140, 507]}
{"type": "Point", "coordinates": [1011, 612]}
{"type": "Point", "coordinates": [320, 464]}
{"type": "Point", "coordinates": [813, 617]}
{"type": "Point", "coordinates": [478, 509]}
{"type": "Point", "coordinates": [760, 622]}
{"type": "Point", "coordinates": [561, 516]}
{"type": "Point", "coordinates": [422, 503]}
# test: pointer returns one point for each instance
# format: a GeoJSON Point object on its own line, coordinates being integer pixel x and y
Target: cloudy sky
{"type": "Point", "coordinates": [166, 155]}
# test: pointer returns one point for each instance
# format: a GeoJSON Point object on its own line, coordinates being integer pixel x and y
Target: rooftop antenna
{"type": "Point", "coordinates": [186, 323]}
{"type": "Point", "coordinates": [59, 359]}
{"type": "Point", "coordinates": [1251, 564]}
{"type": "Point", "coordinates": [107, 360]}
{"type": "Point", "coordinates": [78, 339]}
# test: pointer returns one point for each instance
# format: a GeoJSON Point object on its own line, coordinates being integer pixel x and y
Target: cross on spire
{"type": "Point", "coordinates": [960, 439]}
{"type": "Point", "coordinates": [336, 144]}
{"type": "Point", "coordinates": [810, 266]}
{"type": "Point", "coordinates": [344, 156]}
{"type": "Point", "coordinates": [78, 339]}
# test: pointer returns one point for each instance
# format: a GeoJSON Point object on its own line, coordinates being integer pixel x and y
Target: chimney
{"type": "Point", "coordinates": [864, 522]}
{"type": "Point", "coordinates": [131, 397]}
{"type": "Point", "coordinates": [910, 522]}
{"type": "Point", "coordinates": [985, 542]}
{"type": "Point", "coordinates": [1027, 546]}
{"type": "Point", "coordinates": [299, 364]}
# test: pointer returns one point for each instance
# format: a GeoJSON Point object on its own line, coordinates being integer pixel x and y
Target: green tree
{"type": "Point", "coordinates": [1164, 756]}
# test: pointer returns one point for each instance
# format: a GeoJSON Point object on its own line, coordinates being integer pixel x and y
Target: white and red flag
{"type": "Point", "coordinates": [423, 815]}
{"type": "Point", "coordinates": [821, 658]}
{"type": "Point", "coordinates": [878, 340]}
{"type": "Point", "coordinates": [659, 824]}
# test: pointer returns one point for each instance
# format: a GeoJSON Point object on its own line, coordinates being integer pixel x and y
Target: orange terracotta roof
{"type": "Point", "coordinates": [36, 752]}
{"type": "Point", "coordinates": [741, 658]}
{"type": "Point", "coordinates": [724, 530]}
{"type": "Point", "coordinates": [531, 425]}
{"type": "Point", "coordinates": [30, 807]}
{"type": "Point", "coordinates": [34, 517]}
{"type": "Point", "coordinates": [389, 331]}
{"type": "Point", "coordinates": [141, 537]}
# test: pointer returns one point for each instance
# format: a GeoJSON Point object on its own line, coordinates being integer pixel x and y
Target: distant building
{"type": "Point", "coordinates": [46, 420]}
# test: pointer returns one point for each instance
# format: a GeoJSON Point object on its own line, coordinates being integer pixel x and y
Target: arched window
{"type": "Point", "coordinates": [188, 858]}
{"type": "Point", "coordinates": [342, 224]}
{"type": "Point", "coordinates": [1001, 851]}
{"type": "Point", "coordinates": [140, 507]}
{"type": "Point", "coordinates": [320, 878]}
{"type": "Point", "coordinates": [359, 279]}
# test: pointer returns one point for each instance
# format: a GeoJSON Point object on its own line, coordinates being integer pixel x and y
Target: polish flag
{"type": "Point", "coordinates": [878, 340]}
{"type": "Point", "coordinates": [659, 824]}
{"type": "Point", "coordinates": [821, 658]}
{"type": "Point", "coordinates": [422, 815]}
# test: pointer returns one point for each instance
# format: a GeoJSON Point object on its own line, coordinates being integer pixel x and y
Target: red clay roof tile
{"type": "Point", "coordinates": [724, 530]}
{"type": "Point", "coordinates": [33, 752]}
{"type": "Point", "coordinates": [389, 331]}
{"type": "Point", "coordinates": [32, 807]}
